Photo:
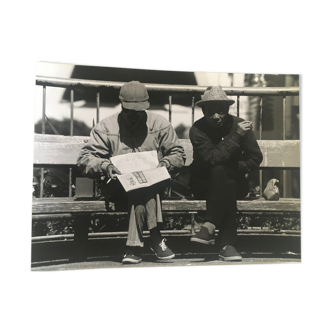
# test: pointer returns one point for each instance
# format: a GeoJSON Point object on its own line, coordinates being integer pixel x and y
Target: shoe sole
{"type": "Point", "coordinates": [195, 239]}
{"type": "Point", "coordinates": [232, 258]}
{"type": "Point", "coordinates": [168, 257]}
{"type": "Point", "coordinates": [131, 261]}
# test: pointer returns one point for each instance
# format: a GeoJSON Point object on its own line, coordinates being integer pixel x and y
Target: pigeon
{"type": "Point", "coordinates": [271, 192]}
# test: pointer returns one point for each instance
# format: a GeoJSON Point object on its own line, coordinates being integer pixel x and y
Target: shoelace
{"type": "Point", "coordinates": [163, 245]}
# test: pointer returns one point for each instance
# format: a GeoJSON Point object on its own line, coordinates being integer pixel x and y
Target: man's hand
{"type": "Point", "coordinates": [243, 127]}
{"type": "Point", "coordinates": [162, 163]}
{"type": "Point", "coordinates": [112, 172]}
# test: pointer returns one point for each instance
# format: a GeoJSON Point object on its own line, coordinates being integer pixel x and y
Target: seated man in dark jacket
{"type": "Point", "coordinates": [225, 150]}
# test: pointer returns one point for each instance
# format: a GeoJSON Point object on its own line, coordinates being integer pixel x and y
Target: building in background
{"type": "Point", "coordinates": [110, 98]}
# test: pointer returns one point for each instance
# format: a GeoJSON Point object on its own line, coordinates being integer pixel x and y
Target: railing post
{"type": "Point", "coordinates": [170, 120]}
{"type": "Point", "coordinates": [71, 112]}
{"type": "Point", "coordinates": [238, 106]}
{"type": "Point", "coordinates": [284, 118]}
{"type": "Point", "coordinates": [170, 109]}
{"type": "Point", "coordinates": [192, 223]}
{"type": "Point", "coordinates": [260, 137]}
{"type": "Point", "coordinates": [71, 134]}
{"type": "Point", "coordinates": [192, 110]}
{"type": "Point", "coordinates": [44, 110]}
{"type": "Point", "coordinates": [41, 192]}
{"type": "Point", "coordinates": [70, 194]}
{"type": "Point", "coordinates": [284, 181]}
{"type": "Point", "coordinates": [98, 106]}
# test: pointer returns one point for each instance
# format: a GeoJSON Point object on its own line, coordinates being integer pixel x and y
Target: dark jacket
{"type": "Point", "coordinates": [223, 146]}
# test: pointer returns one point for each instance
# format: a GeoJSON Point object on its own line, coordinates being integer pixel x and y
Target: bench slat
{"type": "Point", "coordinates": [68, 205]}
{"type": "Point", "coordinates": [63, 150]}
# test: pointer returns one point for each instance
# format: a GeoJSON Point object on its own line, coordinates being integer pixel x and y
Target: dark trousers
{"type": "Point", "coordinates": [116, 194]}
{"type": "Point", "coordinates": [221, 187]}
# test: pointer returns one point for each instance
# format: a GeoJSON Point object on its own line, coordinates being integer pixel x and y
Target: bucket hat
{"type": "Point", "coordinates": [213, 94]}
{"type": "Point", "coordinates": [134, 96]}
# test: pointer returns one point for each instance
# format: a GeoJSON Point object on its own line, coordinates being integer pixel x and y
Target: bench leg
{"type": "Point", "coordinates": [81, 230]}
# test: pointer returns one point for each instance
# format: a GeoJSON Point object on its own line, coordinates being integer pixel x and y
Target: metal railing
{"type": "Point", "coordinates": [73, 84]}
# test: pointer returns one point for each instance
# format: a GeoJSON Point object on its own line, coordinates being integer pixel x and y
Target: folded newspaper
{"type": "Point", "coordinates": [139, 170]}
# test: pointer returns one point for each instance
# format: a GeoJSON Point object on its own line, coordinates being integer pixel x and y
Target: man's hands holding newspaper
{"type": "Point", "coordinates": [112, 172]}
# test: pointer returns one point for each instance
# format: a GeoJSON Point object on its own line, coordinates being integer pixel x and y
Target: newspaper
{"type": "Point", "coordinates": [139, 170]}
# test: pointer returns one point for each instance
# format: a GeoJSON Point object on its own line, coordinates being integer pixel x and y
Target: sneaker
{"type": "Point", "coordinates": [162, 251]}
{"type": "Point", "coordinates": [229, 253]}
{"type": "Point", "coordinates": [203, 236]}
{"type": "Point", "coordinates": [130, 258]}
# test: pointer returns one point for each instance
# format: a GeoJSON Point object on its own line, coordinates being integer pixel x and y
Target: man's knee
{"type": "Point", "coordinates": [218, 167]}
{"type": "Point", "coordinates": [220, 177]}
{"type": "Point", "coordinates": [217, 171]}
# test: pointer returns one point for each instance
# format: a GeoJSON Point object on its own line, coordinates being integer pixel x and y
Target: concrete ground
{"type": "Point", "coordinates": [150, 260]}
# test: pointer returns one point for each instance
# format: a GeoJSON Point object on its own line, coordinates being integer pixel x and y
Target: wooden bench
{"type": "Point", "coordinates": [62, 151]}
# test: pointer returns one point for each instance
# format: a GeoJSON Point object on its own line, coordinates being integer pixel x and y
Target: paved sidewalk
{"type": "Point", "coordinates": [152, 261]}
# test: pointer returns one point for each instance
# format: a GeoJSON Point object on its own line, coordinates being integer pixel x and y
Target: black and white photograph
{"type": "Point", "coordinates": [164, 168]}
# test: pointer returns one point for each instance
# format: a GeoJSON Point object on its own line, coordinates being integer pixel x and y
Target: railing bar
{"type": "Point", "coordinates": [231, 91]}
{"type": "Point", "coordinates": [192, 110]}
{"type": "Point", "coordinates": [170, 109]}
{"type": "Point", "coordinates": [260, 137]}
{"type": "Point", "coordinates": [238, 106]}
{"type": "Point", "coordinates": [98, 106]}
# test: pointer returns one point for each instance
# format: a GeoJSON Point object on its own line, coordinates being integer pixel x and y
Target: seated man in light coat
{"type": "Point", "coordinates": [133, 130]}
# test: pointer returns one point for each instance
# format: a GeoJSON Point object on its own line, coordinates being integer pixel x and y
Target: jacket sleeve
{"type": "Point", "coordinates": [172, 151]}
{"type": "Point", "coordinates": [211, 153]}
{"type": "Point", "coordinates": [94, 156]}
{"type": "Point", "coordinates": [252, 155]}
